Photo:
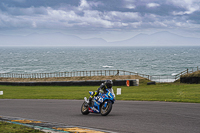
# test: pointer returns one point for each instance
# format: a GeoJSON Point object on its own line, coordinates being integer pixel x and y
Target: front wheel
{"type": "Point", "coordinates": [84, 109]}
{"type": "Point", "coordinates": [106, 110]}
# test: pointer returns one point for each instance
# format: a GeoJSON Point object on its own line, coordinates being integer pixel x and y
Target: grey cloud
{"type": "Point", "coordinates": [39, 3]}
{"type": "Point", "coordinates": [15, 11]}
{"type": "Point", "coordinates": [98, 15]}
{"type": "Point", "coordinates": [195, 17]}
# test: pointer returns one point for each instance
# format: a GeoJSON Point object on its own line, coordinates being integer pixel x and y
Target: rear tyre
{"type": "Point", "coordinates": [106, 110]}
{"type": "Point", "coordinates": [84, 109]}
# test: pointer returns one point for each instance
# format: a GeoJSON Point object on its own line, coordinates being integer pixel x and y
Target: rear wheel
{"type": "Point", "coordinates": [84, 109]}
{"type": "Point", "coordinates": [106, 110]}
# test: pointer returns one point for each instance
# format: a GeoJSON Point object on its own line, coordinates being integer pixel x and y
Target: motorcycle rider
{"type": "Point", "coordinates": [106, 85]}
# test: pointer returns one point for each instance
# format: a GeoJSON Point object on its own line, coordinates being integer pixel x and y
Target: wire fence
{"type": "Point", "coordinates": [72, 74]}
{"type": "Point", "coordinates": [171, 78]}
{"type": "Point", "coordinates": [162, 78]}
{"type": "Point", "coordinates": [156, 78]}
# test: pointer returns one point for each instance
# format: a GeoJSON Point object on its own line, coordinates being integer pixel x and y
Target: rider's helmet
{"type": "Point", "coordinates": [109, 83]}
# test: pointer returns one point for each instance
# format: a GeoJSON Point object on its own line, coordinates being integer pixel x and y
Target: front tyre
{"type": "Point", "coordinates": [106, 110]}
{"type": "Point", "coordinates": [84, 109]}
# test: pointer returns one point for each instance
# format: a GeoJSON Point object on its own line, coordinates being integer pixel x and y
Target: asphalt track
{"type": "Point", "coordinates": [125, 117]}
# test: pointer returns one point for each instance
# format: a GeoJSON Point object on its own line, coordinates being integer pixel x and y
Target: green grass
{"type": "Point", "coordinates": [163, 92]}
{"type": "Point", "coordinates": [45, 92]}
{"type": "Point", "coordinates": [14, 128]}
{"type": "Point", "coordinates": [172, 92]}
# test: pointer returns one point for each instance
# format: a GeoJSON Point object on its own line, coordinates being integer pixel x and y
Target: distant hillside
{"type": "Point", "coordinates": [159, 39]}
{"type": "Point", "coordinates": [58, 39]}
{"type": "Point", "coordinates": [53, 39]}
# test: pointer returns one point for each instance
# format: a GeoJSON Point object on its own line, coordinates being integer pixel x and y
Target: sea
{"type": "Point", "coordinates": [143, 60]}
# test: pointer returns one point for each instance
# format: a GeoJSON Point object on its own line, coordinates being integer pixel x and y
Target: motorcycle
{"type": "Point", "coordinates": [100, 104]}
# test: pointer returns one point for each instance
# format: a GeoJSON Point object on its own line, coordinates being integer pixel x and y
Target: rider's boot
{"type": "Point", "coordinates": [92, 94]}
{"type": "Point", "coordinates": [90, 101]}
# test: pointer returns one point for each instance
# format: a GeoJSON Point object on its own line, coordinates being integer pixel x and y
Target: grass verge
{"type": "Point", "coordinates": [14, 128]}
{"type": "Point", "coordinates": [193, 74]}
{"type": "Point", "coordinates": [171, 92]}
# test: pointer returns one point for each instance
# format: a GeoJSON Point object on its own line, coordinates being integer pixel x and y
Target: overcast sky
{"type": "Point", "coordinates": [111, 20]}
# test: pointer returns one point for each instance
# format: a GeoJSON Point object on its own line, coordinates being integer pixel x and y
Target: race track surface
{"type": "Point", "coordinates": [125, 117]}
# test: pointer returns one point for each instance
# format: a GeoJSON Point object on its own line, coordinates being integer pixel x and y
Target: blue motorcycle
{"type": "Point", "coordinates": [100, 104]}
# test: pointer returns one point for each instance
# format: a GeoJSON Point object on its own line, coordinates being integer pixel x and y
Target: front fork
{"type": "Point", "coordinates": [105, 104]}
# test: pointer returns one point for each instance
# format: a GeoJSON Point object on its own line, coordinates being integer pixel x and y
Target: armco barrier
{"type": "Point", "coordinates": [71, 83]}
{"type": "Point", "coordinates": [190, 80]}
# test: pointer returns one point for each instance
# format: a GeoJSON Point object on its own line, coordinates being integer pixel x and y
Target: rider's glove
{"type": "Point", "coordinates": [91, 93]}
{"type": "Point", "coordinates": [101, 90]}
